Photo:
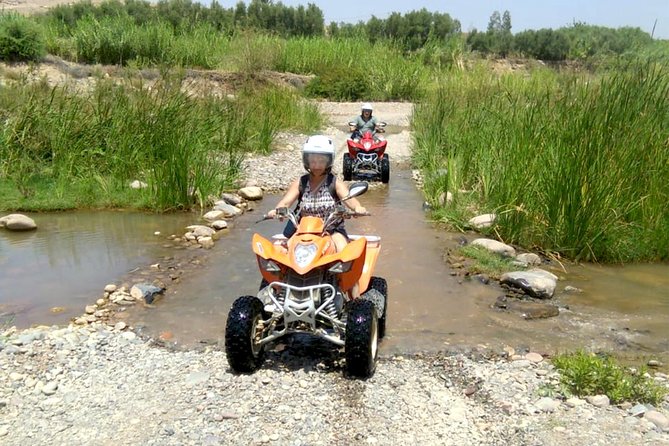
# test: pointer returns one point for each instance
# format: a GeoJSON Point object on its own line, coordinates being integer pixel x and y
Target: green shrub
{"type": "Point", "coordinates": [585, 374]}
{"type": "Point", "coordinates": [339, 83]}
{"type": "Point", "coordinates": [20, 39]}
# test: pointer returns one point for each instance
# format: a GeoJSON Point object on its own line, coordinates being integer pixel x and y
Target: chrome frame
{"type": "Point", "coordinates": [300, 315]}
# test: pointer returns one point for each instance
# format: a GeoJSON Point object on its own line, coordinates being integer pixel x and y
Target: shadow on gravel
{"type": "Point", "coordinates": [300, 351]}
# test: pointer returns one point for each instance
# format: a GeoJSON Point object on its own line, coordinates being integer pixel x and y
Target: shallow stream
{"type": "Point", "coordinates": [68, 261]}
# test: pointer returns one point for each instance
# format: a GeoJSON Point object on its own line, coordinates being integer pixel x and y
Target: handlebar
{"type": "Point", "coordinates": [285, 213]}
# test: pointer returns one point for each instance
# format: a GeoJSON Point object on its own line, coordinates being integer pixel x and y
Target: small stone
{"type": "Point", "coordinates": [638, 410]}
{"type": "Point", "coordinates": [574, 402]}
{"type": "Point", "coordinates": [50, 388]}
{"type": "Point", "coordinates": [470, 390]}
{"type": "Point", "coordinates": [547, 404]}
{"type": "Point", "coordinates": [598, 400]}
{"type": "Point", "coordinates": [110, 288]}
{"type": "Point", "coordinates": [657, 418]}
{"type": "Point", "coordinates": [534, 357]}
{"type": "Point", "coordinates": [120, 326]}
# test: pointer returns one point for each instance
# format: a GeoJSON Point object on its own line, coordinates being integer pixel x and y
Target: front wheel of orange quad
{"type": "Point", "coordinates": [379, 284]}
{"type": "Point", "coordinates": [242, 333]}
{"type": "Point", "coordinates": [362, 338]}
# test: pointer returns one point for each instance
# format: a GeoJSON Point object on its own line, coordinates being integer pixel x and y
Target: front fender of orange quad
{"type": "Point", "coordinates": [356, 252]}
{"type": "Point", "coordinates": [265, 249]}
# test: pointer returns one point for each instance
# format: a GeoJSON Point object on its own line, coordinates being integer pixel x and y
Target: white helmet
{"type": "Point", "coordinates": [366, 106]}
{"type": "Point", "coordinates": [318, 145]}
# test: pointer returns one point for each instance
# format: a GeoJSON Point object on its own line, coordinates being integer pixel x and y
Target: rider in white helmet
{"type": "Point", "coordinates": [319, 191]}
{"type": "Point", "coordinates": [365, 122]}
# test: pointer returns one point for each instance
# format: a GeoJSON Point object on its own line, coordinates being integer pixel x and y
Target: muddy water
{"type": "Point", "coordinates": [620, 309]}
{"type": "Point", "coordinates": [67, 262]}
{"type": "Point", "coordinates": [49, 275]}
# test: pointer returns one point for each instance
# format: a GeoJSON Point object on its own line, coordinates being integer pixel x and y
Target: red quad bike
{"type": "Point", "coordinates": [367, 157]}
{"type": "Point", "coordinates": [306, 288]}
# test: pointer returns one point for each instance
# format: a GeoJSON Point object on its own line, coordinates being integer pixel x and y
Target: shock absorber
{"type": "Point", "coordinates": [331, 308]}
{"type": "Point", "coordinates": [281, 295]}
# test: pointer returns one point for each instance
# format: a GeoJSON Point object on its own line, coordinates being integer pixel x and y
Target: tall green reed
{"type": "Point", "coordinates": [186, 147]}
{"type": "Point", "coordinates": [570, 164]}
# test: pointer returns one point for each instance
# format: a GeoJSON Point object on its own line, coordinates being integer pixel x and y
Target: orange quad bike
{"type": "Point", "coordinates": [306, 288]}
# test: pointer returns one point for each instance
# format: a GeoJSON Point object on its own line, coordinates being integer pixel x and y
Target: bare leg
{"type": "Point", "coordinates": [340, 243]}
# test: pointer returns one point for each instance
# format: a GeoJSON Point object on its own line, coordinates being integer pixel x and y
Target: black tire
{"type": "Point", "coordinates": [385, 169]}
{"type": "Point", "coordinates": [379, 284]}
{"type": "Point", "coordinates": [361, 346]}
{"type": "Point", "coordinates": [244, 356]}
{"type": "Point", "coordinates": [347, 168]}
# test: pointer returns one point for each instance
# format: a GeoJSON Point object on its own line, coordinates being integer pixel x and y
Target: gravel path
{"type": "Point", "coordinates": [100, 384]}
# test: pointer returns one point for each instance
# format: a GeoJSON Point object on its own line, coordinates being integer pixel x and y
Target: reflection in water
{"type": "Point", "coordinates": [72, 256]}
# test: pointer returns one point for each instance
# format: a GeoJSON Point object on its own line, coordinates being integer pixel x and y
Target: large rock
{"type": "Point", "coordinates": [482, 221]}
{"type": "Point", "coordinates": [213, 215]}
{"type": "Point", "coordinates": [227, 209]}
{"type": "Point", "coordinates": [495, 246]}
{"type": "Point", "coordinates": [201, 231]}
{"type": "Point", "coordinates": [146, 291]}
{"type": "Point", "coordinates": [17, 222]}
{"type": "Point", "coordinates": [536, 282]}
{"type": "Point", "coordinates": [251, 193]}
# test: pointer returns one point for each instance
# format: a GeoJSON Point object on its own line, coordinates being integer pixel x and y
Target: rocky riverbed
{"type": "Point", "coordinates": [105, 384]}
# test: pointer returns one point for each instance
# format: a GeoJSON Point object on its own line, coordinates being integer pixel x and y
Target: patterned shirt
{"type": "Point", "coordinates": [319, 202]}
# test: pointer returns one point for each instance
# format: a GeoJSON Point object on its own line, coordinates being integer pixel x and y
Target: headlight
{"type": "Point", "coordinates": [305, 253]}
{"type": "Point", "coordinates": [341, 267]}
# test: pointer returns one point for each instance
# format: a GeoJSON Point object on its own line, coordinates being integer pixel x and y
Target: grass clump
{"type": "Point", "coordinates": [483, 261]}
{"type": "Point", "coordinates": [583, 374]}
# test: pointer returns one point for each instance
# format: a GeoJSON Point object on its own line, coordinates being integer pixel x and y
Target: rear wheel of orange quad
{"type": "Point", "coordinates": [242, 332]}
{"type": "Point", "coordinates": [362, 338]}
{"type": "Point", "coordinates": [385, 169]}
{"type": "Point", "coordinates": [347, 168]}
{"type": "Point", "coordinates": [379, 284]}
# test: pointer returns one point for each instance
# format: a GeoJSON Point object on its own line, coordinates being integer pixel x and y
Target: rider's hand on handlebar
{"type": "Point", "coordinates": [271, 213]}
{"type": "Point", "coordinates": [360, 210]}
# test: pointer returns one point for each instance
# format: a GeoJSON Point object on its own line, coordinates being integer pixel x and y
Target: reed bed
{"type": "Point", "coordinates": [88, 146]}
{"type": "Point", "coordinates": [575, 165]}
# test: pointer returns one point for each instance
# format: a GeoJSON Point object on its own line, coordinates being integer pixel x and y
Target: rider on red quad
{"type": "Point", "coordinates": [365, 122]}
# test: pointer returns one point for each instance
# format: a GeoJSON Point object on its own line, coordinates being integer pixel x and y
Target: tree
{"type": "Point", "coordinates": [495, 23]}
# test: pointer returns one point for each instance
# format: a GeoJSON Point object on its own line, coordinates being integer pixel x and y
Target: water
{"type": "Point", "coordinates": [72, 256]}
{"type": "Point", "coordinates": [49, 275]}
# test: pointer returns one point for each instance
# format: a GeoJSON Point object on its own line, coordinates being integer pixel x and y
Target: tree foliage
{"type": "Point", "coordinates": [412, 30]}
